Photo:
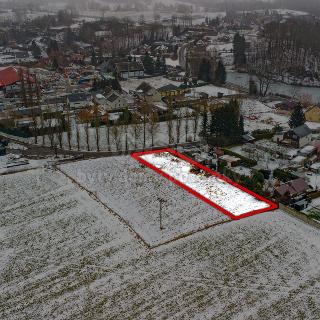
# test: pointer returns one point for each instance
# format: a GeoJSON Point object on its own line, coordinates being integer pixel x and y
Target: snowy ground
{"type": "Point", "coordinates": [12, 163]}
{"type": "Point", "coordinates": [229, 197]}
{"type": "Point", "coordinates": [63, 256]}
{"type": "Point", "coordinates": [261, 116]}
{"type": "Point", "coordinates": [133, 191]}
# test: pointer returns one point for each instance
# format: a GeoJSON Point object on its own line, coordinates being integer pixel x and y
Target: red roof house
{"type": "Point", "coordinates": [11, 75]}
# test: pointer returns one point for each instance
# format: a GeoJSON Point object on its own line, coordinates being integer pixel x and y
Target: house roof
{"type": "Point", "coordinates": [76, 97]}
{"type": "Point", "coordinates": [11, 75]}
{"type": "Point", "coordinates": [113, 97]}
{"type": "Point", "coordinates": [293, 187]}
{"type": "Point", "coordinates": [144, 87]}
{"type": "Point", "coordinates": [302, 131]}
{"type": "Point", "coordinates": [129, 66]}
{"type": "Point", "coordinates": [168, 87]}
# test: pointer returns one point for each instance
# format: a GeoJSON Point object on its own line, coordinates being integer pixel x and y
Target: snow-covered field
{"type": "Point", "coordinates": [63, 256]}
{"type": "Point", "coordinates": [134, 191]}
{"type": "Point", "coordinates": [230, 198]}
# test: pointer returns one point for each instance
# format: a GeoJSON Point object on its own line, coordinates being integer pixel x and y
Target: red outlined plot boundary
{"type": "Point", "coordinates": [271, 205]}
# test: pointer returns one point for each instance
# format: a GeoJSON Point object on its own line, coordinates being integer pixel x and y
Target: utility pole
{"type": "Point", "coordinates": [161, 202]}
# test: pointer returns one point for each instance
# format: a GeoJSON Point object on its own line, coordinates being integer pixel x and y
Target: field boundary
{"type": "Point", "coordinates": [300, 216]}
{"type": "Point", "coordinates": [130, 227]}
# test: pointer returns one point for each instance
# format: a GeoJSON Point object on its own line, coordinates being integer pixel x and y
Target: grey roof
{"type": "Point", "coordinates": [168, 87]}
{"type": "Point", "coordinates": [302, 131]}
{"type": "Point", "coordinates": [76, 97]}
{"type": "Point", "coordinates": [144, 87]}
{"type": "Point", "coordinates": [113, 98]}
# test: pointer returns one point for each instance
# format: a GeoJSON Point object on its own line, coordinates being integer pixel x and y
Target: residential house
{"type": "Point", "coordinates": [171, 90]}
{"type": "Point", "coordinates": [129, 69]}
{"type": "Point", "coordinates": [115, 102]}
{"type": "Point", "coordinates": [79, 100]}
{"type": "Point", "coordinates": [146, 92]}
{"type": "Point", "coordinates": [313, 114]}
{"type": "Point", "coordinates": [287, 191]}
{"type": "Point", "coordinates": [10, 79]}
{"type": "Point", "coordinates": [297, 137]}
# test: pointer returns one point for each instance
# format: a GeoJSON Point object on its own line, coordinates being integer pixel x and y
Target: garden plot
{"type": "Point", "coordinates": [220, 192]}
{"type": "Point", "coordinates": [134, 192]}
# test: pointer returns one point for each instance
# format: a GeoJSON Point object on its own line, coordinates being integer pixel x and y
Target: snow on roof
{"type": "Point", "coordinates": [307, 149]}
{"type": "Point", "coordinates": [213, 91]}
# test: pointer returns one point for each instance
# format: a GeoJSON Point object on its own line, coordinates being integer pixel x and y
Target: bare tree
{"type": "Point", "coordinates": [96, 118]}
{"type": "Point", "coordinates": [108, 134]}
{"type": "Point", "coordinates": [136, 128]}
{"type": "Point", "coordinates": [60, 129]}
{"type": "Point", "coordinates": [153, 126]}
{"type": "Point", "coordinates": [170, 122]}
{"type": "Point", "coordinates": [51, 128]}
{"type": "Point", "coordinates": [195, 122]}
{"type": "Point", "coordinates": [262, 67]}
{"type": "Point", "coordinates": [125, 123]}
{"type": "Point", "coordinates": [186, 124]}
{"type": "Point", "coordinates": [85, 118]}
{"type": "Point", "coordinates": [68, 125]}
{"type": "Point", "coordinates": [116, 133]}
{"type": "Point", "coordinates": [78, 135]}
{"type": "Point", "coordinates": [178, 122]}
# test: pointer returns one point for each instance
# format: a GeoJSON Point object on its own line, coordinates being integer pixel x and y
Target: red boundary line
{"type": "Point", "coordinates": [272, 205]}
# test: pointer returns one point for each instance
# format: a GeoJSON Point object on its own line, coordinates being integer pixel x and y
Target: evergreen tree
{"type": "Point", "coordinates": [241, 125]}
{"type": "Point", "coordinates": [163, 65]}
{"type": "Point", "coordinates": [148, 63]}
{"type": "Point", "coordinates": [297, 117]}
{"type": "Point", "coordinates": [115, 84]}
{"type": "Point", "coordinates": [53, 47]}
{"type": "Point", "coordinates": [205, 71]}
{"type": "Point", "coordinates": [204, 124]}
{"type": "Point", "coordinates": [158, 65]}
{"type": "Point", "coordinates": [239, 50]}
{"type": "Point", "coordinates": [220, 73]}
{"type": "Point", "coordinates": [93, 58]}
{"type": "Point", "coordinates": [55, 64]}
{"type": "Point", "coordinates": [36, 52]}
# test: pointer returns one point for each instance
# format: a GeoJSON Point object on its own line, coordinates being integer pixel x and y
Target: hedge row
{"type": "Point", "coordinates": [284, 176]}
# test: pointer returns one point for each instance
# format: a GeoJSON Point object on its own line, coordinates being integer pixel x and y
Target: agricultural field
{"type": "Point", "coordinates": [133, 192]}
{"type": "Point", "coordinates": [63, 255]}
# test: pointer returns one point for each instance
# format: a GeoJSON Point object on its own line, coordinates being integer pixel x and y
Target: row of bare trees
{"type": "Point", "coordinates": [136, 130]}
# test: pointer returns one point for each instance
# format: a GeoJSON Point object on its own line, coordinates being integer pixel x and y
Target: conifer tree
{"type": "Point", "coordinates": [220, 73]}
{"type": "Point", "coordinates": [297, 117]}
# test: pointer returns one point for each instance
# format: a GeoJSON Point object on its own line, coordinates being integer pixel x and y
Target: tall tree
{"type": "Point", "coordinates": [220, 73]}
{"type": "Point", "coordinates": [148, 64]}
{"type": "Point", "coordinates": [239, 50]}
{"type": "Point", "coordinates": [297, 117]}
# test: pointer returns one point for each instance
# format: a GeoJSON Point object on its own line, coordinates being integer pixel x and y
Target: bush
{"type": "Point", "coordinates": [263, 134]}
{"type": "Point", "coordinates": [284, 176]}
